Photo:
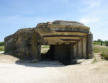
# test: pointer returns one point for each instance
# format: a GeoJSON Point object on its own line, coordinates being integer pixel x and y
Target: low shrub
{"type": "Point", "coordinates": [100, 49]}
{"type": "Point", "coordinates": [106, 43]}
{"type": "Point", "coordinates": [1, 43]}
{"type": "Point", "coordinates": [104, 55]}
{"type": "Point", "coordinates": [103, 50]}
{"type": "Point", "coordinates": [1, 48]}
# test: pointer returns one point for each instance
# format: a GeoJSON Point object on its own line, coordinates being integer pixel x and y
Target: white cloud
{"type": "Point", "coordinates": [89, 20]}
{"type": "Point", "coordinates": [92, 3]}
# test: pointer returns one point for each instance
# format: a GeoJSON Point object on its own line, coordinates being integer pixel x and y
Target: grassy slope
{"type": "Point", "coordinates": [103, 50]}
{"type": "Point", "coordinates": [1, 46]}
{"type": "Point", "coordinates": [100, 49]}
{"type": "Point", "coordinates": [98, 43]}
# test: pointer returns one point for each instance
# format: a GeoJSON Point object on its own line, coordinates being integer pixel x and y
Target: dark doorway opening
{"type": "Point", "coordinates": [46, 52]}
{"type": "Point", "coordinates": [61, 53]}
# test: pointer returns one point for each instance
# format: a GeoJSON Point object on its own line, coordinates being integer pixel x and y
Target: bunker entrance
{"type": "Point", "coordinates": [62, 53]}
{"type": "Point", "coordinates": [47, 52]}
{"type": "Point", "coordinates": [44, 49]}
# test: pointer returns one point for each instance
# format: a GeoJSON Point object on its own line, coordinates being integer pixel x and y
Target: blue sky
{"type": "Point", "coordinates": [16, 14]}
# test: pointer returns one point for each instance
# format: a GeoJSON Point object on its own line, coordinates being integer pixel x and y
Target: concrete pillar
{"type": "Point", "coordinates": [79, 49]}
{"type": "Point", "coordinates": [90, 46]}
{"type": "Point", "coordinates": [75, 51]}
{"type": "Point", "coordinates": [35, 48]}
{"type": "Point", "coordinates": [84, 47]}
{"type": "Point", "coordinates": [71, 51]}
{"type": "Point", "coordinates": [36, 52]}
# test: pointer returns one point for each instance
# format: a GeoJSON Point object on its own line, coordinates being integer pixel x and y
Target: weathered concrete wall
{"type": "Point", "coordinates": [23, 44]}
{"type": "Point", "coordinates": [68, 40]}
{"type": "Point", "coordinates": [74, 51]}
{"type": "Point", "coordinates": [90, 45]}
{"type": "Point", "coordinates": [79, 49]}
{"type": "Point", "coordinates": [84, 47]}
{"type": "Point", "coordinates": [10, 44]}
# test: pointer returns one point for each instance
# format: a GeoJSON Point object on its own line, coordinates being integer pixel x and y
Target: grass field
{"type": "Point", "coordinates": [1, 48]}
{"type": "Point", "coordinates": [98, 43]}
{"type": "Point", "coordinates": [103, 50]}
{"type": "Point", "coordinates": [100, 49]}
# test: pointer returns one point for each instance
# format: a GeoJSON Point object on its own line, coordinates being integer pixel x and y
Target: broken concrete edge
{"type": "Point", "coordinates": [46, 25]}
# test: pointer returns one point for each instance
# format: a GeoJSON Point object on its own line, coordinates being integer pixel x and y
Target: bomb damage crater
{"type": "Point", "coordinates": [67, 40]}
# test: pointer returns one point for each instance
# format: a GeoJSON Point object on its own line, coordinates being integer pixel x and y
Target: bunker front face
{"type": "Point", "coordinates": [68, 40]}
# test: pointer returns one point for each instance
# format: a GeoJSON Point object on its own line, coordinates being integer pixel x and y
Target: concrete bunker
{"type": "Point", "coordinates": [68, 40]}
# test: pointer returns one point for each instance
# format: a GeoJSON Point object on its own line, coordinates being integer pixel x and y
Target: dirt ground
{"type": "Point", "coordinates": [88, 71]}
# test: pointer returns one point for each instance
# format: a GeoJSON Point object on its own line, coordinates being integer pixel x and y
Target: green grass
{"type": "Point", "coordinates": [45, 46]}
{"type": "Point", "coordinates": [103, 50]}
{"type": "Point", "coordinates": [1, 48]}
{"type": "Point", "coordinates": [104, 55]}
{"type": "Point", "coordinates": [1, 43]}
{"type": "Point", "coordinates": [100, 49]}
{"type": "Point", "coordinates": [98, 43]}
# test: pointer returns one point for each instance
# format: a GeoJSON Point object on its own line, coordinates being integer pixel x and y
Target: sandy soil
{"type": "Point", "coordinates": [13, 71]}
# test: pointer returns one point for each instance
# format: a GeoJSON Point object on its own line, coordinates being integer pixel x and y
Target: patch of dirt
{"type": "Point", "coordinates": [7, 58]}
{"type": "Point", "coordinates": [53, 71]}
